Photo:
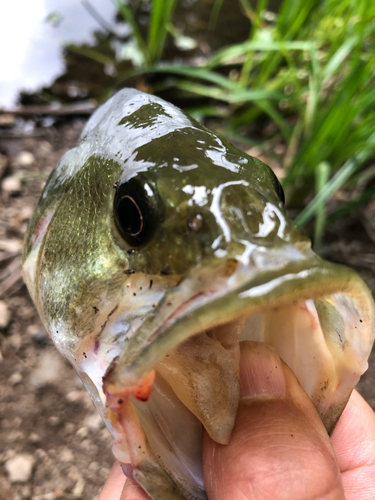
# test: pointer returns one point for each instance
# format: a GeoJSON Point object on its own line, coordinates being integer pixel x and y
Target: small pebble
{"type": "Point", "coordinates": [82, 432]}
{"type": "Point", "coordinates": [34, 438]}
{"type": "Point", "coordinates": [40, 454]}
{"type": "Point", "coordinates": [12, 246]}
{"type": "Point", "coordinates": [4, 315]}
{"type": "Point", "coordinates": [14, 436]}
{"type": "Point", "coordinates": [45, 148]}
{"type": "Point", "coordinates": [74, 396]}
{"type": "Point", "coordinates": [11, 185]}
{"type": "Point", "coordinates": [15, 341]}
{"type": "Point", "coordinates": [54, 421]}
{"type": "Point", "coordinates": [79, 487]}
{"type": "Point", "coordinates": [93, 422]}
{"type": "Point", "coordinates": [48, 370]}
{"type": "Point", "coordinates": [66, 455]}
{"type": "Point", "coordinates": [20, 468]}
{"type": "Point", "coordinates": [69, 428]}
{"type": "Point", "coordinates": [15, 378]}
{"type": "Point", "coordinates": [24, 159]}
{"type": "Point", "coordinates": [93, 466]}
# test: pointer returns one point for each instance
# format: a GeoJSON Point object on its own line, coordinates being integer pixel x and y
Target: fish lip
{"type": "Point", "coordinates": [308, 279]}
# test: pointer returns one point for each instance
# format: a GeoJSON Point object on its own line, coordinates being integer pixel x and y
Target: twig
{"type": "Point", "coordinates": [67, 109]}
{"type": "Point", "coordinates": [95, 14]}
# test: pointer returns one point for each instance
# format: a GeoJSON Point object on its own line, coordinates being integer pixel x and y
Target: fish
{"type": "Point", "coordinates": [155, 249]}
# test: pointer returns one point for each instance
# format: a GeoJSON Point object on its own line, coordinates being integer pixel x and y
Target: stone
{"type": "Point", "coordinates": [48, 370]}
{"type": "Point", "coordinates": [15, 341]}
{"type": "Point", "coordinates": [45, 148]}
{"type": "Point", "coordinates": [34, 438]}
{"type": "Point", "coordinates": [24, 159]}
{"type": "Point", "coordinates": [66, 455]}
{"type": "Point", "coordinates": [82, 432]}
{"type": "Point", "coordinates": [93, 422]}
{"type": "Point", "coordinates": [69, 428]}
{"type": "Point", "coordinates": [12, 185]}
{"type": "Point", "coordinates": [41, 454]}
{"type": "Point", "coordinates": [76, 396]}
{"type": "Point", "coordinates": [20, 468]}
{"type": "Point", "coordinates": [14, 436]}
{"type": "Point", "coordinates": [79, 487]}
{"type": "Point", "coordinates": [15, 378]}
{"type": "Point", "coordinates": [54, 421]}
{"type": "Point", "coordinates": [4, 315]}
{"type": "Point", "coordinates": [11, 246]}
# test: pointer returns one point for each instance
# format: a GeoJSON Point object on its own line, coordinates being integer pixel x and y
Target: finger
{"type": "Point", "coordinates": [354, 443]}
{"type": "Point", "coordinates": [118, 487]}
{"type": "Point", "coordinates": [133, 492]}
{"type": "Point", "coordinates": [279, 447]}
{"type": "Point", "coordinates": [114, 484]}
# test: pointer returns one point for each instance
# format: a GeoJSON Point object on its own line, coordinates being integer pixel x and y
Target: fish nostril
{"type": "Point", "coordinates": [230, 267]}
{"type": "Point", "coordinates": [195, 223]}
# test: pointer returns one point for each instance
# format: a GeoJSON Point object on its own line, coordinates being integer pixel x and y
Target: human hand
{"type": "Point", "coordinates": [279, 447]}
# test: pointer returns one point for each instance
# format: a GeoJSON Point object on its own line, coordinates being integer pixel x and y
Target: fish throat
{"type": "Point", "coordinates": [185, 377]}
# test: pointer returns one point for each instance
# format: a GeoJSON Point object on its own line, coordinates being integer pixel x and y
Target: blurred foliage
{"type": "Point", "coordinates": [307, 68]}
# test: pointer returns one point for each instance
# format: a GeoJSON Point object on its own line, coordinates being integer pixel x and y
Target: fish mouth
{"type": "Point", "coordinates": [180, 371]}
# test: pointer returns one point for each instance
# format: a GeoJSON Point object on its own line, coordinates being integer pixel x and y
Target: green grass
{"type": "Point", "coordinates": [309, 69]}
{"type": "Point", "coordinates": [159, 25]}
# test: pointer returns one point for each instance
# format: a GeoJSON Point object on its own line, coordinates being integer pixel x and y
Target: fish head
{"type": "Point", "coordinates": [156, 248]}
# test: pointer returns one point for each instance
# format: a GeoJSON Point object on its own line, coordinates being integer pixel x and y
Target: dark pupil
{"type": "Point", "coordinates": [131, 216]}
{"type": "Point", "coordinates": [135, 211]}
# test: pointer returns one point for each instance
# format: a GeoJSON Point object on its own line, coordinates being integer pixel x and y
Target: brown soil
{"type": "Point", "coordinates": [45, 412]}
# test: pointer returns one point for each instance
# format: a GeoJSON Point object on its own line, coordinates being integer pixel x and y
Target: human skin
{"type": "Point", "coordinates": [279, 448]}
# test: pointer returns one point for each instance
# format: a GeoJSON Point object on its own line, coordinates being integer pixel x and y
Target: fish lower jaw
{"type": "Point", "coordinates": [196, 385]}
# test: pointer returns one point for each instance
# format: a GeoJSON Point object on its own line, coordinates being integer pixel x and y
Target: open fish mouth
{"type": "Point", "coordinates": [179, 370]}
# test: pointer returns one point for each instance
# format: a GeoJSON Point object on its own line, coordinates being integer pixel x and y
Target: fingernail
{"type": "Point", "coordinates": [261, 372]}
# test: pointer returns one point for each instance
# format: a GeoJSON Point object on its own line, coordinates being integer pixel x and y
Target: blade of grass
{"type": "Point", "coordinates": [161, 16]}
{"type": "Point", "coordinates": [199, 73]}
{"type": "Point", "coordinates": [293, 14]}
{"type": "Point", "coordinates": [238, 96]}
{"type": "Point", "coordinates": [271, 111]}
{"type": "Point", "coordinates": [128, 16]}
{"type": "Point", "coordinates": [227, 55]}
{"type": "Point", "coordinates": [338, 57]}
{"type": "Point", "coordinates": [313, 94]}
{"type": "Point", "coordinates": [265, 146]}
{"type": "Point", "coordinates": [255, 18]}
{"type": "Point", "coordinates": [322, 173]}
{"type": "Point", "coordinates": [93, 54]}
{"type": "Point", "coordinates": [216, 8]}
{"type": "Point", "coordinates": [335, 183]}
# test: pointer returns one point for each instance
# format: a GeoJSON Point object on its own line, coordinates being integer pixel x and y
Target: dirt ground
{"type": "Point", "coordinates": [50, 433]}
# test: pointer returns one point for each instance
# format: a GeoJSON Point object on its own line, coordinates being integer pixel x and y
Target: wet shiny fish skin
{"type": "Point", "coordinates": [155, 248]}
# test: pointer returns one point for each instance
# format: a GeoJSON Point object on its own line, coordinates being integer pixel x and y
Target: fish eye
{"type": "Point", "coordinates": [278, 187]}
{"type": "Point", "coordinates": [135, 211]}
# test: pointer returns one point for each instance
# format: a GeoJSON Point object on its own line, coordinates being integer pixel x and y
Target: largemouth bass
{"type": "Point", "coordinates": [155, 249]}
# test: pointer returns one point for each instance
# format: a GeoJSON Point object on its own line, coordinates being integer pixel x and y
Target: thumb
{"type": "Point", "coordinates": [279, 448]}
